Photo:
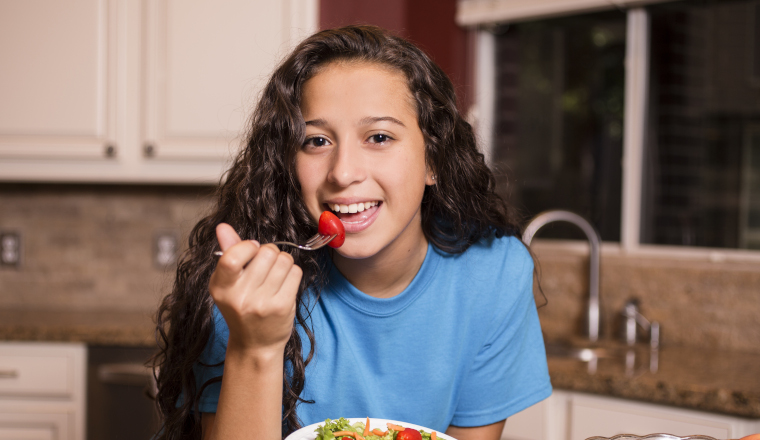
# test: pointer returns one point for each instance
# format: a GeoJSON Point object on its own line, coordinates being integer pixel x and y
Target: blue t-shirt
{"type": "Point", "coordinates": [461, 345]}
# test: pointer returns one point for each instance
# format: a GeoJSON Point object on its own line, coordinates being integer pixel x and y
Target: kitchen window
{"type": "Point", "coordinates": [646, 121]}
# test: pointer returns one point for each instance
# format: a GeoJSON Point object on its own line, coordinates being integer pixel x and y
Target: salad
{"type": "Point", "coordinates": [343, 429]}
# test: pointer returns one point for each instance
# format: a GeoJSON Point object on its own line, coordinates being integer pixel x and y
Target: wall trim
{"type": "Point", "coordinates": [650, 251]}
{"type": "Point", "coordinates": [490, 12]}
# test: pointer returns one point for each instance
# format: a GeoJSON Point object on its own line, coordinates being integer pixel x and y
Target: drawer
{"type": "Point", "coordinates": [37, 370]}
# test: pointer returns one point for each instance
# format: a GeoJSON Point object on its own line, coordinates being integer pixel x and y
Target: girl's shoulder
{"type": "Point", "coordinates": [503, 248]}
{"type": "Point", "coordinates": [505, 256]}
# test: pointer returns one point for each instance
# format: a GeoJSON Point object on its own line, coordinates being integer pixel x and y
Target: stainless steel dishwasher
{"type": "Point", "coordinates": [119, 386]}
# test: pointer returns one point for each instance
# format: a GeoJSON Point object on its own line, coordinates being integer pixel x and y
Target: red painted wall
{"type": "Point", "coordinates": [428, 23]}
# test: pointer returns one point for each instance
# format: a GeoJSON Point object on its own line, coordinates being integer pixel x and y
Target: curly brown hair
{"type": "Point", "coordinates": [261, 198]}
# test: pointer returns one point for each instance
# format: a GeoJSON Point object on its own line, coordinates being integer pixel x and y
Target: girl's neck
{"type": "Point", "coordinates": [387, 273]}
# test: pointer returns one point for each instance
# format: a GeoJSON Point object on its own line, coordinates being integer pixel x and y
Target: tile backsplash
{"type": "Point", "coordinates": [90, 247]}
{"type": "Point", "coordinates": [697, 303]}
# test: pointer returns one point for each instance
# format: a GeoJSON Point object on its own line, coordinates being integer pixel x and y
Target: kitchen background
{"type": "Point", "coordinates": [92, 238]}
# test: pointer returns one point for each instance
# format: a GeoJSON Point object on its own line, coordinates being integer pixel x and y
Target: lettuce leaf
{"type": "Point", "coordinates": [325, 432]}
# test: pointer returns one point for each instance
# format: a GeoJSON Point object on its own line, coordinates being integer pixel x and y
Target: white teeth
{"type": "Point", "coordinates": [353, 207]}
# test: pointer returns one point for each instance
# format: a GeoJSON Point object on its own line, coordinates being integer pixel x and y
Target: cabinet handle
{"type": "Point", "coordinates": [149, 150]}
{"type": "Point", "coordinates": [110, 151]}
{"type": "Point", "coordinates": [8, 374]}
{"type": "Point", "coordinates": [125, 374]}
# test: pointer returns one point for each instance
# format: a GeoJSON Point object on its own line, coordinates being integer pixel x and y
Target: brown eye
{"type": "Point", "coordinates": [379, 138]}
{"type": "Point", "coordinates": [316, 141]}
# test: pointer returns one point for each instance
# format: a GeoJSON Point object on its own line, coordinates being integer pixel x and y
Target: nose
{"type": "Point", "coordinates": [347, 166]}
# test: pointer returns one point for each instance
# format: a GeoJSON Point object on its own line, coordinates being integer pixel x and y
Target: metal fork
{"type": "Point", "coordinates": [312, 244]}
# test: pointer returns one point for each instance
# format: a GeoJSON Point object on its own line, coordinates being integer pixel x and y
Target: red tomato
{"type": "Point", "coordinates": [409, 434]}
{"type": "Point", "coordinates": [330, 224]}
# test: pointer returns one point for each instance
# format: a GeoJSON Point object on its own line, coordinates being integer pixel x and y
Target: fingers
{"type": "Point", "coordinates": [264, 269]}
{"type": "Point", "coordinates": [230, 266]}
{"type": "Point", "coordinates": [255, 288]}
{"type": "Point", "coordinates": [291, 283]}
{"type": "Point", "coordinates": [226, 236]}
{"type": "Point", "coordinates": [280, 276]}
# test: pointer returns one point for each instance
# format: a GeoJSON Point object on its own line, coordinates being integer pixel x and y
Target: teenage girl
{"type": "Point", "coordinates": [424, 315]}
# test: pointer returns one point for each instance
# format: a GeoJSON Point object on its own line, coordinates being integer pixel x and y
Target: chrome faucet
{"type": "Point", "coordinates": [594, 241]}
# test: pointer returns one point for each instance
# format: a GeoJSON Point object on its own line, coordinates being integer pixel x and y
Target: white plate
{"type": "Point", "coordinates": [653, 437]}
{"type": "Point", "coordinates": [308, 432]}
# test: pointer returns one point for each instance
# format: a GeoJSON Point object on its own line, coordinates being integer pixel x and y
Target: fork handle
{"type": "Point", "coordinates": [288, 243]}
{"type": "Point", "coordinates": [220, 253]}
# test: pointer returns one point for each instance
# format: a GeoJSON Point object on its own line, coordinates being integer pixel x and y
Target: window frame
{"type": "Point", "coordinates": [634, 123]}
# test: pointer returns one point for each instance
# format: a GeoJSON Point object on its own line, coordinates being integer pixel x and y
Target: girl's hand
{"type": "Point", "coordinates": [255, 289]}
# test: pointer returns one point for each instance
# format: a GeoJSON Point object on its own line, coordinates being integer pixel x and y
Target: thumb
{"type": "Point", "coordinates": [226, 236]}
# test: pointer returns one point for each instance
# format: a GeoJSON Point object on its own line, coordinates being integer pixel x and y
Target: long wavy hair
{"type": "Point", "coordinates": [261, 198]}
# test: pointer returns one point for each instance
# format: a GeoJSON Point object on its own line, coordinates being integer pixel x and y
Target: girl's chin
{"type": "Point", "coordinates": [361, 246]}
{"type": "Point", "coordinates": [354, 252]}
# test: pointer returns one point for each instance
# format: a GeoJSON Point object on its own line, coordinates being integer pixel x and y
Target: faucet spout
{"type": "Point", "coordinates": [595, 243]}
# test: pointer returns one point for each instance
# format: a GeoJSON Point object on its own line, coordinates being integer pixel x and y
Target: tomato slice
{"type": "Point", "coordinates": [409, 434]}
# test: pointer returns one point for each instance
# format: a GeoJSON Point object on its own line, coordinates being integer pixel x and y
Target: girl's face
{"type": "Point", "coordinates": [364, 157]}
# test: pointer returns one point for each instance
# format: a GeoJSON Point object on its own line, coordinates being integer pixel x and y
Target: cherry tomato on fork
{"type": "Point", "coordinates": [330, 224]}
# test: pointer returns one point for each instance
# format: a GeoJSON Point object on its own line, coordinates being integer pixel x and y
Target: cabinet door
{"type": "Point", "coordinates": [30, 426]}
{"type": "Point", "coordinates": [42, 390]}
{"type": "Point", "coordinates": [149, 91]}
{"type": "Point", "coordinates": [56, 83]}
{"type": "Point", "coordinates": [597, 416]}
{"type": "Point", "coordinates": [206, 62]}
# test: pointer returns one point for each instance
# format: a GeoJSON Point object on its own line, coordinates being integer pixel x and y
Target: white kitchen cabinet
{"type": "Point", "coordinates": [42, 391]}
{"type": "Point", "coordinates": [34, 426]}
{"type": "Point", "coordinates": [577, 416]}
{"type": "Point", "coordinates": [135, 91]}
{"type": "Point", "coordinates": [58, 79]}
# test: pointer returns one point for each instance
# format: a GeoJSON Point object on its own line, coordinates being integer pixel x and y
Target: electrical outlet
{"type": "Point", "coordinates": [10, 249]}
{"type": "Point", "coordinates": [165, 249]}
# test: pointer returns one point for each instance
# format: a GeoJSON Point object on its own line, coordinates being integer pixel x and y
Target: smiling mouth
{"type": "Point", "coordinates": [356, 217]}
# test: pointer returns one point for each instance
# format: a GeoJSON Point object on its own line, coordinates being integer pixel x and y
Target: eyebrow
{"type": "Point", "coordinates": [317, 122]}
{"type": "Point", "coordinates": [372, 119]}
{"type": "Point", "coordinates": [365, 121]}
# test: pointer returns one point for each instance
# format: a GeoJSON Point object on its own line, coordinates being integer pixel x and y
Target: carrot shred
{"type": "Point", "coordinates": [433, 436]}
{"type": "Point", "coordinates": [366, 427]}
{"type": "Point", "coordinates": [344, 434]}
{"type": "Point", "coordinates": [358, 436]}
{"type": "Point", "coordinates": [395, 427]}
{"type": "Point", "coordinates": [379, 432]}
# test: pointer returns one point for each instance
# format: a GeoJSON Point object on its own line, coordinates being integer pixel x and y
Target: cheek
{"type": "Point", "coordinates": [407, 178]}
{"type": "Point", "coordinates": [305, 176]}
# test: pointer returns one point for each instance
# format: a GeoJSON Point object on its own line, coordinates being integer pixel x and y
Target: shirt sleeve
{"type": "Point", "coordinates": [509, 373]}
{"type": "Point", "coordinates": [210, 366]}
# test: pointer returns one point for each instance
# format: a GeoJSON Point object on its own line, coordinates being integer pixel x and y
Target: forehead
{"type": "Point", "coordinates": [358, 79]}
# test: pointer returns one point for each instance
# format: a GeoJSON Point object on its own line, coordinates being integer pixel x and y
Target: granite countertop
{"type": "Point", "coordinates": [103, 327]}
{"type": "Point", "coordinates": [725, 382]}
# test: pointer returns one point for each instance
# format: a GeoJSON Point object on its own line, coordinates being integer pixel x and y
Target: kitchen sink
{"type": "Point", "coordinates": [635, 359]}
{"type": "Point", "coordinates": [583, 353]}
